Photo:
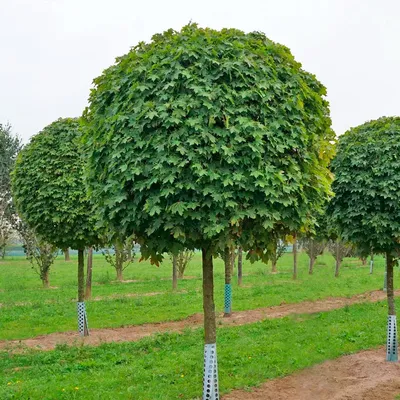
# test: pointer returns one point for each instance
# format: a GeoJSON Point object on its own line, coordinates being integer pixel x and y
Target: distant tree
{"type": "Point", "coordinates": [10, 145]}
{"type": "Point", "coordinates": [366, 205]}
{"type": "Point", "coordinates": [205, 139]}
{"type": "Point", "coordinates": [240, 266]}
{"type": "Point", "coordinates": [339, 250]}
{"type": "Point", "coordinates": [58, 209]}
{"type": "Point", "coordinates": [313, 247]}
{"type": "Point", "coordinates": [279, 247]}
{"type": "Point", "coordinates": [120, 256]}
{"type": "Point", "coordinates": [40, 253]}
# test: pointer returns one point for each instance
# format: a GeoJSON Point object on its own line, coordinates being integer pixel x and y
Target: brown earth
{"type": "Point", "coordinates": [361, 376]}
{"type": "Point", "coordinates": [137, 332]}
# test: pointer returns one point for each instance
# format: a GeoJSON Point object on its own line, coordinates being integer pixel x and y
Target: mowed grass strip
{"type": "Point", "coordinates": [28, 310]}
{"type": "Point", "coordinates": [169, 366]}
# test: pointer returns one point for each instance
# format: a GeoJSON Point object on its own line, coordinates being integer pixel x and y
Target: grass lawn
{"type": "Point", "coordinates": [28, 310]}
{"type": "Point", "coordinates": [169, 366]}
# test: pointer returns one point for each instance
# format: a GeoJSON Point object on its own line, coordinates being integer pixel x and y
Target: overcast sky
{"type": "Point", "coordinates": [50, 50]}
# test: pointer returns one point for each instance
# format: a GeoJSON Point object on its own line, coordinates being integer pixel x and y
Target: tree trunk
{"type": "Point", "coordinates": [210, 378]}
{"type": "Point", "coordinates": [88, 293]}
{"type": "Point", "coordinates": [390, 294]}
{"type": "Point", "coordinates": [273, 257]}
{"type": "Point", "coordinates": [208, 297]}
{"type": "Point", "coordinates": [119, 260]}
{"type": "Point", "coordinates": [81, 289]}
{"type": "Point", "coordinates": [311, 266]}
{"type": "Point", "coordinates": [228, 287]}
{"type": "Point", "coordinates": [371, 263]}
{"type": "Point", "coordinates": [174, 272]}
{"type": "Point", "coordinates": [240, 266]}
{"type": "Point", "coordinates": [45, 278]}
{"type": "Point", "coordinates": [81, 275]}
{"type": "Point", "coordinates": [66, 255]}
{"type": "Point", "coordinates": [295, 257]}
{"type": "Point", "coordinates": [391, 349]}
{"type": "Point", "coordinates": [338, 259]}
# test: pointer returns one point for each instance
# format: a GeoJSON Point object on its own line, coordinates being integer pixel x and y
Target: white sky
{"type": "Point", "coordinates": [50, 50]}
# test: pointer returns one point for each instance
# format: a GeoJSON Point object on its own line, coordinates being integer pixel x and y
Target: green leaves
{"type": "Point", "coordinates": [209, 136]}
{"type": "Point", "coordinates": [48, 187]}
{"type": "Point", "coordinates": [366, 206]}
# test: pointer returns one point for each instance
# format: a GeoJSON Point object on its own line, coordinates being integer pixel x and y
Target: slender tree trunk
{"type": "Point", "coordinates": [210, 379]}
{"type": "Point", "coordinates": [66, 255]}
{"type": "Point", "coordinates": [81, 275]}
{"type": "Point", "coordinates": [81, 284]}
{"type": "Point", "coordinates": [119, 267]}
{"type": "Point", "coordinates": [390, 293]}
{"type": "Point", "coordinates": [338, 259]}
{"type": "Point", "coordinates": [274, 258]}
{"type": "Point", "coordinates": [295, 257]}
{"type": "Point", "coordinates": [45, 278]}
{"type": "Point", "coordinates": [240, 266]}
{"type": "Point", "coordinates": [208, 297]}
{"type": "Point", "coordinates": [371, 263]}
{"type": "Point", "coordinates": [228, 286]}
{"type": "Point", "coordinates": [311, 266]}
{"type": "Point", "coordinates": [391, 349]}
{"type": "Point", "coordinates": [88, 293]}
{"type": "Point", "coordinates": [174, 272]}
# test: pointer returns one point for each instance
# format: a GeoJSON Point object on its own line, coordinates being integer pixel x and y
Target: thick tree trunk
{"type": "Point", "coordinates": [174, 272]}
{"type": "Point", "coordinates": [240, 266]}
{"type": "Point", "coordinates": [210, 378]}
{"type": "Point", "coordinates": [66, 255]}
{"type": "Point", "coordinates": [88, 292]}
{"type": "Point", "coordinates": [295, 257]}
{"type": "Point", "coordinates": [228, 287]}
{"type": "Point", "coordinates": [45, 278]}
{"type": "Point", "coordinates": [81, 291]}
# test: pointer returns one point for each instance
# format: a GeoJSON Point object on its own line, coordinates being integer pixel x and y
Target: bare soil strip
{"type": "Point", "coordinates": [361, 376]}
{"type": "Point", "coordinates": [137, 332]}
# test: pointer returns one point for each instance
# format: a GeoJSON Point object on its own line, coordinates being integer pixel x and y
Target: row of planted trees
{"type": "Point", "coordinates": [210, 140]}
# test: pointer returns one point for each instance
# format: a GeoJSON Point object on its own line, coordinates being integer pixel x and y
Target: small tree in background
{"type": "Point", "coordinates": [313, 247]}
{"type": "Point", "coordinates": [279, 247]}
{"type": "Point", "coordinates": [180, 262]}
{"type": "Point", "coordinates": [40, 253]}
{"type": "Point", "coordinates": [339, 250]}
{"type": "Point", "coordinates": [366, 207]}
{"type": "Point", "coordinates": [205, 139]}
{"type": "Point", "coordinates": [57, 210]}
{"type": "Point", "coordinates": [120, 256]}
{"type": "Point", "coordinates": [10, 145]}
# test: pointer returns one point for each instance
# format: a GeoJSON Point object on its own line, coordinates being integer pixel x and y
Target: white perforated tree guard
{"type": "Point", "coordinates": [371, 266]}
{"type": "Point", "coordinates": [82, 319]}
{"type": "Point", "coordinates": [210, 379]}
{"type": "Point", "coordinates": [391, 348]}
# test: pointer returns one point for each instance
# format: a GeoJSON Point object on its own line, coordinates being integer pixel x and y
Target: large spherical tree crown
{"type": "Point", "coordinates": [48, 186]}
{"type": "Point", "coordinates": [203, 134]}
{"type": "Point", "coordinates": [366, 206]}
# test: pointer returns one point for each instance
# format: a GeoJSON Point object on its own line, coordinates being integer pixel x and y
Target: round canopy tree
{"type": "Point", "coordinates": [207, 139]}
{"type": "Point", "coordinates": [50, 196]}
{"type": "Point", "coordinates": [366, 206]}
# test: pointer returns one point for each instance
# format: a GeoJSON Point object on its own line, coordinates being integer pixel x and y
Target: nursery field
{"type": "Point", "coordinates": [167, 365]}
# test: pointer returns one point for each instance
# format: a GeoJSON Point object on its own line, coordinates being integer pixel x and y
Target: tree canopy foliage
{"type": "Point", "coordinates": [366, 206]}
{"type": "Point", "coordinates": [48, 187]}
{"type": "Point", "coordinates": [204, 136]}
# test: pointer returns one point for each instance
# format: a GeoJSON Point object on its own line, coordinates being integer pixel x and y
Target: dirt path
{"type": "Point", "coordinates": [361, 376]}
{"type": "Point", "coordinates": [137, 332]}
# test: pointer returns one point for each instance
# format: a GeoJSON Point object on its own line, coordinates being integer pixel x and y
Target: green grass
{"type": "Point", "coordinates": [169, 366]}
{"type": "Point", "coordinates": [28, 310]}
